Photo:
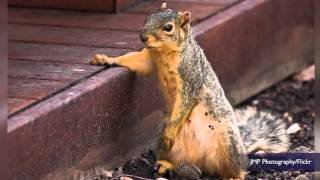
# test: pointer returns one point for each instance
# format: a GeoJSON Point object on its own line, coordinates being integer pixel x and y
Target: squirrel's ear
{"type": "Point", "coordinates": [186, 17]}
{"type": "Point", "coordinates": [163, 6]}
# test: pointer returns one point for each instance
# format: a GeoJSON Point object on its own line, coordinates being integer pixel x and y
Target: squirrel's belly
{"type": "Point", "coordinates": [201, 142]}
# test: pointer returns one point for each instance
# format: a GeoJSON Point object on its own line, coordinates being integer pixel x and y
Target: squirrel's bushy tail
{"type": "Point", "coordinates": [262, 131]}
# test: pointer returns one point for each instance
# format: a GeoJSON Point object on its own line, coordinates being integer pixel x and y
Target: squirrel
{"type": "Point", "coordinates": [201, 129]}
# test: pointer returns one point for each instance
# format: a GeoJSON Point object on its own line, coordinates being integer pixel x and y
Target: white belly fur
{"type": "Point", "coordinates": [200, 145]}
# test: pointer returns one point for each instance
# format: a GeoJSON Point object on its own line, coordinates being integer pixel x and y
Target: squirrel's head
{"type": "Point", "coordinates": [166, 29]}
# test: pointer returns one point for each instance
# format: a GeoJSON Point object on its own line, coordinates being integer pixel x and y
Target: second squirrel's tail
{"type": "Point", "coordinates": [262, 131]}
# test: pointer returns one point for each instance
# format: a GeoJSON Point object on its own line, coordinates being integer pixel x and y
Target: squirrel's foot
{"type": "Point", "coordinates": [240, 176]}
{"type": "Point", "coordinates": [101, 59]}
{"type": "Point", "coordinates": [163, 166]}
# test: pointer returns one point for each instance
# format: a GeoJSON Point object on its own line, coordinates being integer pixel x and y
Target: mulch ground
{"type": "Point", "coordinates": [292, 99]}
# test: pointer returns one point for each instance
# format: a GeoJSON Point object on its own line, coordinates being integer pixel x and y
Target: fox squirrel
{"type": "Point", "coordinates": [201, 129]}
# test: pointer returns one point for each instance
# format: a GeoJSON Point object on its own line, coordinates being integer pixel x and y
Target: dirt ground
{"type": "Point", "coordinates": [292, 99]}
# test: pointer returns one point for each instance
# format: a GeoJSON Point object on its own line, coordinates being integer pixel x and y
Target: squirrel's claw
{"type": "Point", "coordinates": [163, 166]}
{"type": "Point", "coordinates": [96, 60]}
{"type": "Point", "coordinates": [168, 142]}
{"type": "Point", "coordinates": [101, 59]}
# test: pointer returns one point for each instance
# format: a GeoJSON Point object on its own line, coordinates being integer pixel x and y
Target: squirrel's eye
{"type": "Point", "coordinates": [168, 27]}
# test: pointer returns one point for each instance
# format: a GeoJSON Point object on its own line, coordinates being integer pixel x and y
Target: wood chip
{"type": "Point", "coordinates": [293, 128]}
{"type": "Point", "coordinates": [306, 75]}
{"type": "Point", "coordinates": [125, 178]}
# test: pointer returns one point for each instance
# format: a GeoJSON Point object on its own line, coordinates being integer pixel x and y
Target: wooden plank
{"type": "Point", "coordinates": [50, 71]}
{"type": "Point", "coordinates": [124, 4]}
{"type": "Point", "coordinates": [95, 5]}
{"type": "Point", "coordinates": [15, 104]}
{"type": "Point", "coordinates": [101, 111]}
{"type": "Point", "coordinates": [36, 79]}
{"type": "Point", "coordinates": [57, 53]}
{"type": "Point", "coordinates": [216, 2]}
{"type": "Point", "coordinates": [92, 5]}
{"type": "Point", "coordinates": [74, 36]}
{"type": "Point", "coordinates": [121, 21]}
{"type": "Point", "coordinates": [198, 11]}
{"type": "Point", "coordinates": [33, 88]}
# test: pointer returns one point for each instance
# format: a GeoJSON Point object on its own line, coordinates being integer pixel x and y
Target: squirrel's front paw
{"type": "Point", "coordinates": [168, 142]}
{"type": "Point", "coordinates": [101, 59]}
{"type": "Point", "coordinates": [168, 138]}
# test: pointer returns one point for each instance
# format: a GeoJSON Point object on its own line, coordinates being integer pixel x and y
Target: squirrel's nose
{"type": "Point", "coordinates": [143, 37]}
